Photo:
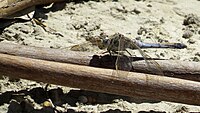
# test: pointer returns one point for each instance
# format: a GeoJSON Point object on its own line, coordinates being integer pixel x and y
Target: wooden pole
{"type": "Point", "coordinates": [171, 68]}
{"type": "Point", "coordinates": [102, 80]}
{"type": "Point", "coordinates": [13, 8]}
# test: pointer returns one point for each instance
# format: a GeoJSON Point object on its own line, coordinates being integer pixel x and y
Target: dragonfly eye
{"type": "Point", "coordinates": [103, 44]}
{"type": "Point", "coordinates": [106, 41]}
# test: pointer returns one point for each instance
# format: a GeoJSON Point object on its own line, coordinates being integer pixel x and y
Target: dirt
{"type": "Point", "coordinates": [69, 24]}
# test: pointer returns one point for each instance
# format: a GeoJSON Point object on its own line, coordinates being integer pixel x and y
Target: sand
{"type": "Point", "coordinates": [162, 21]}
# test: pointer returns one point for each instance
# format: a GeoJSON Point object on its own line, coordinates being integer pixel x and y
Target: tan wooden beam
{"type": "Point", "coordinates": [171, 68]}
{"type": "Point", "coordinates": [102, 80]}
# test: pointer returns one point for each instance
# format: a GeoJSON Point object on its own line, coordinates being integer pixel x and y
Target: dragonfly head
{"type": "Point", "coordinates": [103, 43]}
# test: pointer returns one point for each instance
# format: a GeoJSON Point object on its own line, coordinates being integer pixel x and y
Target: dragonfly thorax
{"type": "Point", "coordinates": [119, 42]}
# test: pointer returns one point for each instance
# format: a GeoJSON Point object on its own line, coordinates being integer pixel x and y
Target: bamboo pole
{"type": "Point", "coordinates": [171, 68]}
{"type": "Point", "coordinates": [102, 80]}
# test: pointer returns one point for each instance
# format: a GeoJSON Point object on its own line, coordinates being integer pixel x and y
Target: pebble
{"type": "Point", "coordinates": [195, 59]}
{"type": "Point", "coordinates": [162, 54]}
{"type": "Point", "coordinates": [197, 54]}
{"type": "Point", "coordinates": [141, 31]}
{"type": "Point", "coordinates": [1, 39]}
{"type": "Point", "coordinates": [191, 41]}
{"type": "Point", "coordinates": [191, 19]}
{"type": "Point", "coordinates": [187, 34]}
{"type": "Point", "coordinates": [136, 11]}
{"type": "Point", "coordinates": [149, 5]}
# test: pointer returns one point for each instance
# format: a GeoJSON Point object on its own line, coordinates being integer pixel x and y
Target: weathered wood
{"type": "Point", "coordinates": [102, 80]}
{"type": "Point", "coordinates": [172, 68]}
{"type": "Point", "coordinates": [17, 6]}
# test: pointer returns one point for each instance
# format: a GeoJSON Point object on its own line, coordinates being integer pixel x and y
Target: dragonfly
{"type": "Point", "coordinates": [119, 44]}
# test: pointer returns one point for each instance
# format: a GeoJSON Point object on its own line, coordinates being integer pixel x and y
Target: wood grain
{"type": "Point", "coordinates": [102, 80]}
{"type": "Point", "coordinates": [12, 8]}
{"type": "Point", "coordinates": [171, 68]}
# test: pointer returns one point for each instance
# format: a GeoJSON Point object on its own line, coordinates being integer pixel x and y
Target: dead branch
{"type": "Point", "coordinates": [102, 80]}
{"type": "Point", "coordinates": [10, 9]}
{"type": "Point", "coordinates": [172, 68]}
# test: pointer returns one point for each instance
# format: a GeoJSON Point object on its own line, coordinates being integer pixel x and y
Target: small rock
{"type": "Point", "coordinates": [141, 31]}
{"type": "Point", "coordinates": [197, 54]}
{"type": "Point", "coordinates": [162, 54]}
{"type": "Point", "coordinates": [181, 109]}
{"type": "Point", "coordinates": [162, 20]}
{"type": "Point", "coordinates": [187, 34]}
{"type": "Point", "coordinates": [47, 104]}
{"type": "Point", "coordinates": [191, 19]}
{"type": "Point", "coordinates": [149, 5]}
{"type": "Point", "coordinates": [162, 40]}
{"type": "Point", "coordinates": [138, 38]}
{"type": "Point", "coordinates": [136, 11]}
{"type": "Point", "coordinates": [1, 39]}
{"type": "Point", "coordinates": [195, 59]}
{"type": "Point", "coordinates": [191, 41]}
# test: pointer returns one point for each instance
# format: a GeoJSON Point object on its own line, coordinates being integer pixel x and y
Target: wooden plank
{"type": "Point", "coordinates": [102, 80]}
{"type": "Point", "coordinates": [172, 68]}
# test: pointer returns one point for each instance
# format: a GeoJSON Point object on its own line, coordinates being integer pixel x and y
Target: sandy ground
{"type": "Point", "coordinates": [162, 21]}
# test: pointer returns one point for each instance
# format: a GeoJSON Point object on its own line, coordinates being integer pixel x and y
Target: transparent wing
{"type": "Point", "coordinates": [152, 65]}
{"type": "Point", "coordinates": [86, 46]}
{"type": "Point", "coordinates": [123, 62]}
{"type": "Point", "coordinates": [78, 47]}
{"type": "Point", "coordinates": [81, 47]}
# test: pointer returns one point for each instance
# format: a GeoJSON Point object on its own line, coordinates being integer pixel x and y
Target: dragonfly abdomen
{"type": "Point", "coordinates": [158, 45]}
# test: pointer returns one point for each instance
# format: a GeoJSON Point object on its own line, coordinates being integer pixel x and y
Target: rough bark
{"type": "Point", "coordinates": [172, 68]}
{"type": "Point", "coordinates": [102, 80]}
{"type": "Point", "coordinates": [12, 8]}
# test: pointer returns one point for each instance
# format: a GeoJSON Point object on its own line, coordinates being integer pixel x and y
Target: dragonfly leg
{"type": "Point", "coordinates": [104, 52]}
{"type": "Point", "coordinates": [128, 52]}
{"type": "Point", "coordinates": [129, 58]}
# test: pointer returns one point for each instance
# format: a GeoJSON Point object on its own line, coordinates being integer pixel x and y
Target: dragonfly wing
{"type": "Point", "coordinates": [123, 63]}
{"type": "Point", "coordinates": [152, 65]}
{"type": "Point", "coordinates": [86, 46]}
